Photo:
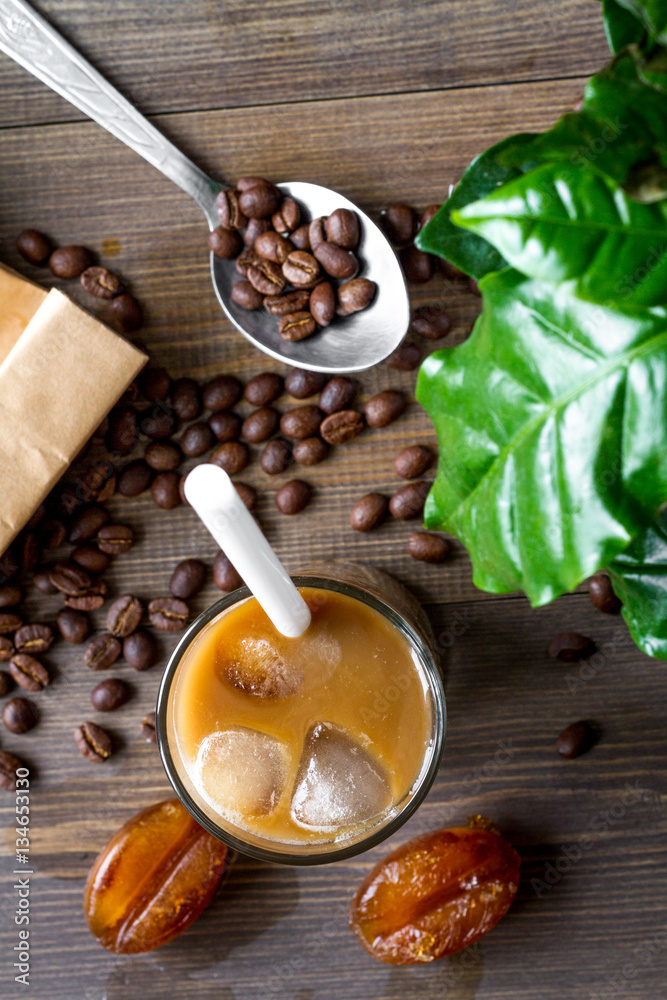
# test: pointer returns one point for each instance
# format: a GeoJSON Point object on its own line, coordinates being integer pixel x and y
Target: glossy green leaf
{"type": "Point", "coordinates": [621, 27]}
{"type": "Point", "coordinates": [653, 15]}
{"type": "Point", "coordinates": [639, 577]}
{"type": "Point", "coordinates": [551, 420]}
{"type": "Point", "coordinates": [560, 223]}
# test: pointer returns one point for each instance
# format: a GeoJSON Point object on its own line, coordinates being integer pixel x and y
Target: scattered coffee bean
{"type": "Point", "coordinates": [229, 211]}
{"type": "Point", "coordinates": [431, 322]}
{"type": "Point", "coordinates": [134, 479]}
{"type": "Point", "coordinates": [287, 217]}
{"type": "Point", "coordinates": [10, 595]}
{"type": "Point", "coordinates": [90, 558]}
{"type": "Point", "coordinates": [355, 295]}
{"type": "Point", "coordinates": [155, 383]}
{"type": "Point", "coordinates": [148, 730]}
{"type": "Point", "coordinates": [317, 233]}
{"type": "Point", "coordinates": [297, 326]}
{"type": "Point", "coordinates": [408, 502]}
{"type": "Point", "coordinates": [244, 294]}
{"type": "Point", "coordinates": [428, 548]}
{"type": "Point", "coordinates": [301, 384]}
{"type": "Point", "coordinates": [570, 647]}
{"type": "Point", "coordinates": [263, 389]}
{"type": "Point", "coordinates": [260, 425]}
{"type": "Point", "coordinates": [254, 229]}
{"type": "Point", "coordinates": [110, 694]}
{"type": "Point", "coordinates": [7, 650]}
{"type": "Point", "coordinates": [602, 594]}
{"type": "Point", "coordinates": [413, 461]}
{"type": "Point", "coordinates": [91, 600]}
{"type": "Point", "coordinates": [69, 262]}
{"type": "Point", "coordinates": [74, 626]}
{"type": "Point", "coordinates": [34, 246]}
{"type": "Point", "coordinates": [101, 652]}
{"type": "Point", "coordinates": [288, 302]}
{"type": "Point", "coordinates": [93, 742]}
{"type": "Point", "coordinates": [342, 426]}
{"type": "Point", "coordinates": [247, 493]}
{"type": "Point", "coordinates": [225, 426]}
{"type": "Point", "coordinates": [293, 496]}
{"type": "Point", "coordinates": [9, 622]}
{"type": "Point", "coordinates": [197, 439]}
{"type": "Point", "coordinates": [70, 579]}
{"type": "Point", "coordinates": [188, 579]}
{"type": "Point", "coordinates": [122, 434]}
{"type": "Point", "coordinates": [259, 201]}
{"type": "Point", "coordinates": [28, 551]}
{"type": "Point", "coordinates": [338, 394]}
{"type": "Point", "coordinates": [272, 246]}
{"type": "Point", "coordinates": [165, 456]}
{"type": "Point", "coordinates": [6, 682]}
{"type": "Point", "coordinates": [186, 399]}
{"type": "Point", "coordinates": [322, 303]}
{"type": "Point", "coordinates": [385, 407]}
{"type": "Point", "coordinates": [417, 265]}
{"type": "Point", "coordinates": [28, 672]}
{"type": "Point", "coordinates": [115, 539]}
{"type": "Point", "coordinates": [124, 616]}
{"type": "Point", "coordinates": [19, 715]}
{"type": "Point", "coordinates": [164, 490]}
{"type": "Point", "coordinates": [232, 456]}
{"type": "Point", "coordinates": [245, 260]}
{"type": "Point", "coordinates": [301, 422]}
{"type": "Point", "coordinates": [399, 223]}
{"type": "Point", "coordinates": [225, 243]}
{"type": "Point", "coordinates": [52, 533]}
{"type": "Point", "coordinates": [140, 650]}
{"type": "Point", "coordinates": [158, 423]}
{"type": "Point", "coordinates": [369, 512]}
{"type": "Point", "coordinates": [33, 639]}
{"type": "Point", "coordinates": [124, 313]}
{"type": "Point", "coordinates": [300, 237]}
{"type": "Point", "coordinates": [276, 457]}
{"type": "Point", "coordinates": [300, 268]}
{"type": "Point", "coordinates": [169, 614]}
{"type": "Point", "coordinates": [101, 282]}
{"type": "Point", "coordinates": [310, 451]}
{"type": "Point", "coordinates": [87, 522]}
{"type": "Point", "coordinates": [342, 227]}
{"type": "Point", "coordinates": [266, 277]}
{"type": "Point", "coordinates": [9, 765]}
{"type": "Point", "coordinates": [336, 261]}
{"type": "Point", "coordinates": [222, 393]}
{"type": "Point", "coordinates": [576, 739]}
{"type": "Point", "coordinates": [225, 576]}
{"type": "Point", "coordinates": [42, 581]}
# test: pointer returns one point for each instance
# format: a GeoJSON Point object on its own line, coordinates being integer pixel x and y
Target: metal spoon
{"type": "Point", "coordinates": [353, 344]}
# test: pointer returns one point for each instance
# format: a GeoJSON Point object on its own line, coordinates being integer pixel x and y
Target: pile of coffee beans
{"type": "Point", "coordinates": [305, 273]}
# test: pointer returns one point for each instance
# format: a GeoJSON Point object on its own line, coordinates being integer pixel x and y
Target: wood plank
{"type": "Point", "coordinates": [205, 54]}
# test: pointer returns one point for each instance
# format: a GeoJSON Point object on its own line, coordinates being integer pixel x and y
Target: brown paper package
{"type": "Point", "coordinates": [61, 371]}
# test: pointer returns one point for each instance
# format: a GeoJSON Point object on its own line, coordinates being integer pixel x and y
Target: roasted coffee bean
{"type": "Point", "coordinates": [244, 261]}
{"type": "Point", "coordinates": [28, 551]}
{"type": "Point", "coordinates": [101, 652]}
{"type": "Point", "coordinates": [247, 493]}
{"type": "Point", "coordinates": [98, 482]}
{"type": "Point", "coordinates": [169, 614]}
{"type": "Point", "coordinates": [91, 600]}
{"type": "Point", "coordinates": [52, 532]}
{"type": "Point", "coordinates": [338, 394]}
{"type": "Point", "coordinates": [399, 223]}
{"type": "Point", "coordinates": [385, 407]}
{"type": "Point", "coordinates": [301, 422]}
{"type": "Point", "coordinates": [34, 246]}
{"type": "Point", "coordinates": [266, 277]}
{"type": "Point", "coordinates": [148, 730]}
{"type": "Point", "coordinates": [229, 211]}
{"type": "Point", "coordinates": [9, 564]}
{"type": "Point", "coordinates": [273, 246]}
{"type": "Point", "coordinates": [9, 765]}
{"type": "Point", "coordinates": [90, 558]}
{"type": "Point", "coordinates": [317, 232]}
{"type": "Point", "coordinates": [602, 594]}
{"type": "Point", "coordinates": [342, 227]}
{"type": "Point", "coordinates": [188, 579]}
{"type": "Point", "coordinates": [431, 322]}
{"type": "Point", "coordinates": [10, 595]}
{"type": "Point", "coordinates": [110, 694]}
{"type": "Point", "coordinates": [417, 265]}
{"type": "Point", "coordinates": [428, 214]}
{"type": "Point", "coordinates": [34, 639]}
{"type": "Point", "coordinates": [225, 576]}
{"type": "Point", "coordinates": [225, 243]}
{"type": "Point", "coordinates": [576, 739]}
{"type": "Point", "coordinates": [225, 426]}
{"type": "Point", "coordinates": [342, 426]}
{"type": "Point", "coordinates": [93, 742]}
{"type": "Point", "coordinates": [165, 456]}
{"type": "Point", "coordinates": [69, 262]}
{"type": "Point", "coordinates": [197, 439]}
{"type": "Point", "coordinates": [115, 538]}
{"type": "Point", "coordinates": [263, 389]}
{"type": "Point", "coordinates": [140, 650]}
{"type": "Point", "coordinates": [297, 326]}
{"type": "Point", "coordinates": [287, 217]}
{"type": "Point", "coordinates": [19, 715]}
{"type": "Point", "coordinates": [6, 680]}
{"type": "Point", "coordinates": [87, 522]}
{"type": "Point", "coordinates": [164, 490]}
{"type": "Point", "coordinates": [131, 394]}
{"type": "Point", "coordinates": [134, 479]}
{"type": "Point", "coordinates": [28, 672]}
{"type": "Point", "coordinates": [74, 626]}
{"type": "Point", "coordinates": [302, 384]}
{"type": "Point", "coordinates": [310, 451]}
{"type": "Point", "coordinates": [570, 647]}
{"type": "Point", "coordinates": [254, 229]}
{"type": "Point", "coordinates": [222, 393]}
{"type": "Point", "coordinates": [232, 456]}
{"type": "Point", "coordinates": [9, 622]}
{"type": "Point", "coordinates": [155, 383]}
{"type": "Point", "coordinates": [181, 489]}
{"type": "Point", "coordinates": [7, 650]}
{"type": "Point", "coordinates": [293, 496]}
{"type": "Point", "coordinates": [158, 422]}
{"type": "Point", "coordinates": [287, 303]}
{"type": "Point", "coordinates": [122, 434]}
{"type": "Point", "coordinates": [246, 295]}
{"type": "Point", "coordinates": [70, 579]}
{"type": "Point", "coordinates": [101, 282]}
{"type": "Point", "coordinates": [337, 262]}
{"type": "Point", "coordinates": [259, 201]}
{"type": "Point", "coordinates": [42, 581]}
{"type": "Point", "coordinates": [413, 461]}
{"type": "Point", "coordinates": [300, 268]}
{"type": "Point", "coordinates": [124, 616]}
{"type": "Point", "coordinates": [405, 358]}
{"type": "Point", "coordinates": [276, 457]}
{"type": "Point", "coordinates": [322, 303]}
{"type": "Point", "coordinates": [186, 399]}
{"type": "Point", "coordinates": [300, 237]}
{"type": "Point", "coordinates": [260, 425]}
{"type": "Point", "coordinates": [355, 295]}
{"type": "Point", "coordinates": [124, 313]}
{"type": "Point", "coordinates": [428, 548]}
{"type": "Point", "coordinates": [408, 502]}
{"type": "Point", "coordinates": [369, 512]}
{"type": "Point", "coordinates": [243, 183]}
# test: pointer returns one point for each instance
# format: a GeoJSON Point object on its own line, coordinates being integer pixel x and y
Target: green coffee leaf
{"type": "Point", "coordinates": [639, 577]}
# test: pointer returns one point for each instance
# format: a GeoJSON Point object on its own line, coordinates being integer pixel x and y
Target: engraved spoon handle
{"type": "Point", "coordinates": [26, 37]}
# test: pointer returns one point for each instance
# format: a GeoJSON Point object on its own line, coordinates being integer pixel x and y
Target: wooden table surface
{"type": "Point", "coordinates": [385, 101]}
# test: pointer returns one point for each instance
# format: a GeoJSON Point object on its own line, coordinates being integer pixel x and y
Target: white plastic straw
{"type": "Point", "coordinates": [213, 496]}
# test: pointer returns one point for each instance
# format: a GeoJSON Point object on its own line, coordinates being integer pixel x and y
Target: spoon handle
{"type": "Point", "coordinates": [26, 37]}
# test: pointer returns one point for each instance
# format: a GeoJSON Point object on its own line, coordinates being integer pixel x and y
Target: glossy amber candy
{"type": "Point", "coordinates": [153, 879]}
{"type": "Point", "coordinates": [435, 895]}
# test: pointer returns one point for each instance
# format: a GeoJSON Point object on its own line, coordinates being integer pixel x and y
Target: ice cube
{"type": "Point", "coordinates": [258, 667]}
{"type": "Point", "coordinates": [242, 771]}
{"type": "Point", "coordinates": [339, 783]}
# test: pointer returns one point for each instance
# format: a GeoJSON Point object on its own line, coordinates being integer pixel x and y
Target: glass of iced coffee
{"type": "Point", "coordinates": [308, 750]}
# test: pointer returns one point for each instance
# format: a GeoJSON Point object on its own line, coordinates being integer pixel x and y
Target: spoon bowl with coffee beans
{"type": "Point", "coordinates": [299, 270]}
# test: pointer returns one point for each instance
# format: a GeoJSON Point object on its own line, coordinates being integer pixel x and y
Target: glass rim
{"type": "Point", "coordinates": [375, 835]}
